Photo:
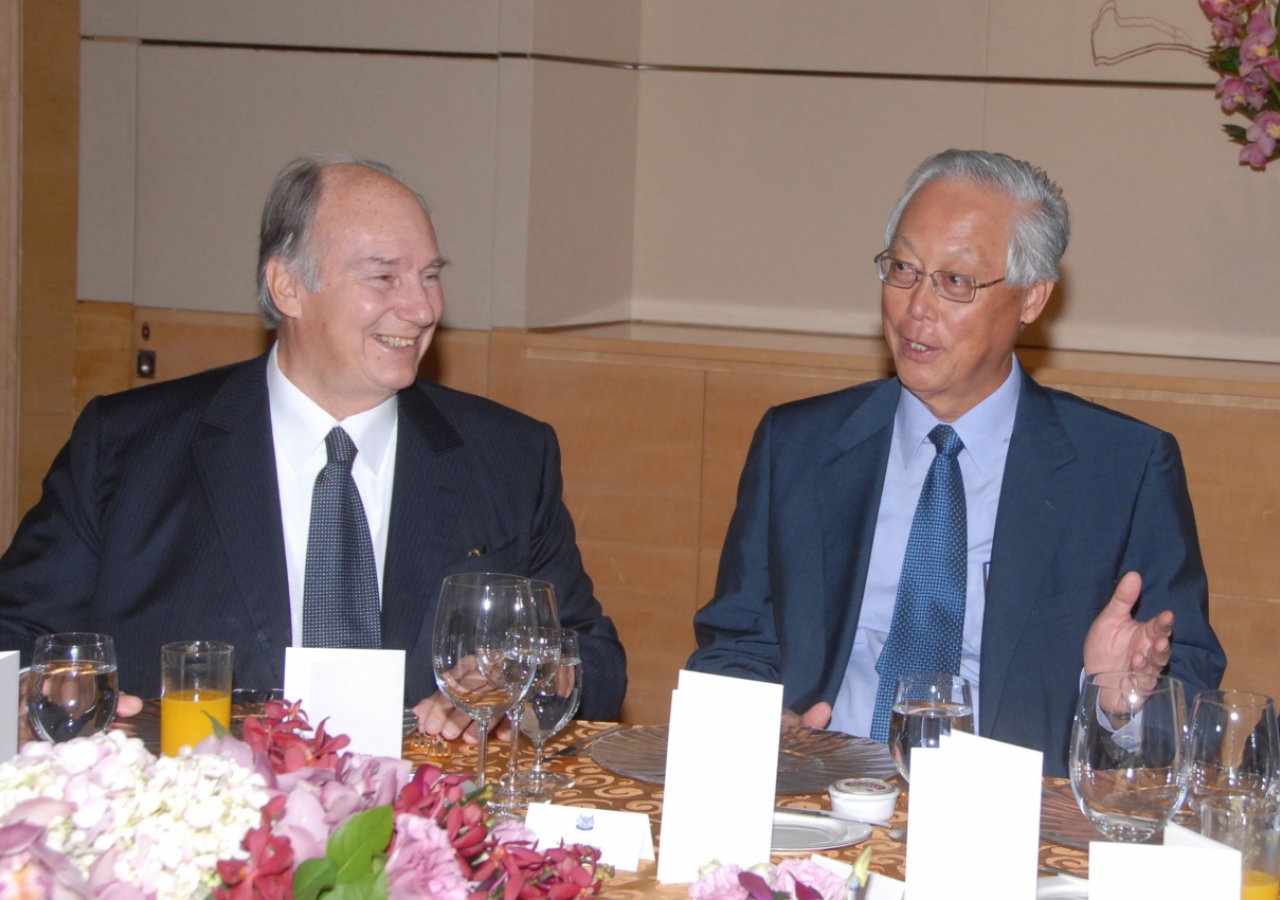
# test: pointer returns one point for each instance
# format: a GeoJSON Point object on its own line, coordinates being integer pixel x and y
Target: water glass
{"type": "Point", "coordinates": [925, 707]}
{"type": "Point", "coordinates": [1126, 753]}
{"type": "Point", "coordinates": [71, 688]}
{"type": "Point", "coordinates": [1252, 826]}
{"type": "Point", "coordinates": [1232, 745]}
{"type": "Point", "coordinates": [195, 690]}
{"type": "Point", "coordinates": [549, 708]}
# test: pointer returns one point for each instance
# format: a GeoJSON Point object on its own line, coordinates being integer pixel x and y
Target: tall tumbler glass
{"type": "Point", "coordinates": [195, 690]}
{"type": "Point", "coordinates": [1252, 826]}
{"type": "Point", "coordinates": [71, 688]}
{"type": "Point", "coordinates": [1126, 753]}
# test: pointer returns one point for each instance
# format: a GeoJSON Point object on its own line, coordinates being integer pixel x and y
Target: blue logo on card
{"type": "Point", "coordinates": [586, 823]}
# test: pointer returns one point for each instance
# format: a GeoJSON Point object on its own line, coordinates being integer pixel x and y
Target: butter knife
{"type": "Point", "coordinates": [576, 748]}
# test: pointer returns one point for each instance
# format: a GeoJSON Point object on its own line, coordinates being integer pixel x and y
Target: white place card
{"type": "Point", "coordinates": [975, 808]}
{"type": "Point", "coordinates": [1191, 869]}
{"type": "Point", "coordinates": [360, 692]}
{"type": "Point", "coordinates": [623, 838]}
{"type": "Point", "coordinates": [722, 769]}
{"type": "Point", "coordinates": [10, 703]}
{"type": "Point", "coordinates": [879, 887]}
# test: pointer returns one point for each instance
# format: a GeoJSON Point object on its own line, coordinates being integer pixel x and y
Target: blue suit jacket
{"type": "Point", "coordinates": [1088, 494]}
{"type": "Point", "coordinates": [160, 521]}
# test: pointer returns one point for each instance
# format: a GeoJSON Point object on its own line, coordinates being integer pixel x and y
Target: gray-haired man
{"type": "Point", "coordinates": [959, 517]}
{"type": "Point", "coordinates": [204, 507]}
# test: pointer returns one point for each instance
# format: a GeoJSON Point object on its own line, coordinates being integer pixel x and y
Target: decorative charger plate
{"type": "Point", "coordinates": [809, 760]}
{"type": "Point", "coordinates": [797, 831]}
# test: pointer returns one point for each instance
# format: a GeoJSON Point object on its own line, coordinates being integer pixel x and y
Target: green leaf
{"type": "Point", "coordinates": [358, 840]}
{"type": "Point", "coordinates": [219, 730]}
{"type": "Point", "coordinates": [1237, 132]}
{"type": "Point", "coordinates": [314, 876]}
{"type": "Point", "coordinates": [372, 886]}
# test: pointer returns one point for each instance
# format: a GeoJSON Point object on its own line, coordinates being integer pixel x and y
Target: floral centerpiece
{"type": "Point", "coordinates": [282, 814]}
{"type": "Point", "coordinates": [1246, 56]}
{"type": "Point", "coordinates": [793, 879]}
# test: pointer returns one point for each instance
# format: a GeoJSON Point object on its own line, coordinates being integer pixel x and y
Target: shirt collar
{"type": "Point", "coordinates": [299, 425]}
{"type": "Point", "coordinates": [984, 430]}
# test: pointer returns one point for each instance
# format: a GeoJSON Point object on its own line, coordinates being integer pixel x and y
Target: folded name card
{"type": "Point", "coordinates": [360, 692]}
{"type": "Point", "coordinates": [975, 820]}
{"type": "Point", "coordinates": [623, 838]}
{"type": "Point", "coordinates": [10, 703]}
{"type": "Point", "coordinates": [722, 768]}
{"type": "Point", "coordinates": [1183, 867]}
{"type": "Point", "coordinates": [879, 887]}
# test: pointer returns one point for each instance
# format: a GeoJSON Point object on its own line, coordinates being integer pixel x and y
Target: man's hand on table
{"type": "Point", "coordinates": [436, 715]}
{"type": "Point", "coordinates": [817, 717]}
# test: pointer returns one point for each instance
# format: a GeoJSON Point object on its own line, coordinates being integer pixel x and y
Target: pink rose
{"type": "Point", "coordinates": [721, 883]}
{"type": "Point", "coordinates": [810, 874]}
{"type": "Point", "coordinates": [31, 870]}
{"type": "Point", "coordinates": [422, 864]}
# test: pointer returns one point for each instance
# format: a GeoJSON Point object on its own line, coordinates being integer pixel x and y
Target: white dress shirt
{"type": "Point", "coordinates": [298, 429]}
{"type": "Point", "coordinates": [985, 431]}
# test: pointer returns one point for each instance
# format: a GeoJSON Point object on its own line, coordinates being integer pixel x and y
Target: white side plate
{"type": "Point", "coordinates": [804, 832]}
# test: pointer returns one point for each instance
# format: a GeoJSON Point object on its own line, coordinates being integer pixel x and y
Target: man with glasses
{"type": "Point", "coordinates": [960, 518]}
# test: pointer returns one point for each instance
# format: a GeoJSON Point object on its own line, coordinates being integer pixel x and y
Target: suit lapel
{"type": "Point", "coordinates": [1035, 501]}
{"type": "Point", "coordinates": [431, 476]}
{"type": "Point", "coordinates": [851, 480]}
{"type": "Point", "coordinates": [235, 458]}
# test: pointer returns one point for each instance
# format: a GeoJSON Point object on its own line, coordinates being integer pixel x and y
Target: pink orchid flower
{"type": "Point", "coordinates": [1225, 32]}
{"type": "Point", "coordinates": [1265, 131]}
{"type": "Point", "coordinates": [1257, 49]}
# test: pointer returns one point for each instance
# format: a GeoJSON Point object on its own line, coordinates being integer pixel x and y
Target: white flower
{"type": "Point", "coordinates": [170, 819]}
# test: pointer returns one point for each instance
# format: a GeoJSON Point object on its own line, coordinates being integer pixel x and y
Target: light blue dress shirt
{"type": "Point", "coordinates": [985, 431]}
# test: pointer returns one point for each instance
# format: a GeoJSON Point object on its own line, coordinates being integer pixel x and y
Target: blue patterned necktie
{"type": "Point", "coordinates": [928, 614]}
{"type": "Point", "coordinates": [340, 588]}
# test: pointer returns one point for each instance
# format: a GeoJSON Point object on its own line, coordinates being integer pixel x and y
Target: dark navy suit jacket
{"type": "Point", "coordinates": [160, 521]}
{"type": "Point", "coordinates": [1088, 494]}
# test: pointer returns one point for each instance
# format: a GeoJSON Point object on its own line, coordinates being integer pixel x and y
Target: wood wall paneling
{"type": "Point", "coordinates": [10, 261]}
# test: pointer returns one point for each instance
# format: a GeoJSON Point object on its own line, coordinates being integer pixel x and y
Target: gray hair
{"type": "Point", "coordinates": [287, 218]}
{"type": "Point", "coordinates": [1037, 239]}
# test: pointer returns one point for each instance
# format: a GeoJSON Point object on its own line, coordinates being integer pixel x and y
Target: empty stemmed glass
{"type": "Point", "coordinates": [547, 709]}
{"type": "Point", "coordinates": [476, 648]}
{"type": "Point", "coordinates": [542, 646]}
{"type": "Point", "coordinates": [1126, 753]}
{"type": "Point", "coordinates": [1232, 745]}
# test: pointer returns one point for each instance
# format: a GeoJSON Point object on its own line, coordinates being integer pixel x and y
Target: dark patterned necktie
{"type": "Point", "coordinates": [340, 588]}
{"type": "Point", "coordinates": [928, 614]}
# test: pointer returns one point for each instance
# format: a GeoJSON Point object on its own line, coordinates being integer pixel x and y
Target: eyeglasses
{"type": "Point", "coordinates": [947, 285]}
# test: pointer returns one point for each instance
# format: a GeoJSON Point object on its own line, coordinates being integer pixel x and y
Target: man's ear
{"type": "Point", "coordinates": [1035, 300]}
{"type": "Point", "coordinates": [285, 288]}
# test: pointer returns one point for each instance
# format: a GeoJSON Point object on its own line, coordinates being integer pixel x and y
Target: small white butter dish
{"type": "Point", "coordinates": [863, 799]}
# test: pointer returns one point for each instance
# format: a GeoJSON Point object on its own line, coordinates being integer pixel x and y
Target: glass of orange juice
{"type": "Point", "coordinates": [1252, 826]}
{"type": "Point", "coordinates": [195, 687]}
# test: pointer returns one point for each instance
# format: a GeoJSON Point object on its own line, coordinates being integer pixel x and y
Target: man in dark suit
{"type": "Point", "coordinates": [1072, 542]}
{"type": "Point", "coordinates": [184, 510]}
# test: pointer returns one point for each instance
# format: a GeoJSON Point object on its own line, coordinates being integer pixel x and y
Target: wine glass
{"type": "Point", "coordinates": [1126, 753]}
{"type": "Point", "coordinates": [925, 707]}
{"type": "Point", "coordinates": [542, 644]}
{"type": "Point", "coordinates": [1232, 745]}
{"type": "Point", "coordinates": [71, 688]}
{"type": "Point", "coordinates": [548, 708]}
{"type": "Point", "coordinates": [475, 647]}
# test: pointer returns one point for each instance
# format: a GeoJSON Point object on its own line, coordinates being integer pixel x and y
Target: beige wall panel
{"type": "Point", "coordinates": [588, 29]}
{"type": "Point", "coordinates": [108, 150]}
{"type": "Point", "coordinates": [186, 341]}
{"type": "Point", "coordinates": [582, 194]}
{"type": "Point", "coordinates": [466, 26]}
{"type": "Point", "coordinates": [761, 199]}
{"type": "Point", "coordinates": [911, 36]}
{"type": "Point", "coordinates": [515, 26]}
{"type": "Point", "coordinates": [104, 355]}
{"type": "Point", "coordinates": [215, 125]}
{"type": "Point", "coordinates": [458, 359]}
{"type": "Point", "coordinates": [1058, 40]}
{"type": "Point", "coordinates": [630, 437]}
{"type": "Point", "coordinates": [1249, 631]}
{"type": "Point", "coordinates": [736, 401]}
{"type": "Point", "coordinates": [511, 189]}
{"type": "Point", "coordinates": [649, 593]}
{"type": "Point", "coordinates": [1173, 243]}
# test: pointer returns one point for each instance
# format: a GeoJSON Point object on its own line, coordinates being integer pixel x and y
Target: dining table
{"type": "Point", "coordinates": [598, 788]}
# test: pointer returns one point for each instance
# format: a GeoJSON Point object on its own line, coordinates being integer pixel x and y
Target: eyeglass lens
{"type": "Point", "coordinates": [951, 285]}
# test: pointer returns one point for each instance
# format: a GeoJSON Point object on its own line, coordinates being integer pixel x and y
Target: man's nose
{"type": "Point", "coordinates": [419, 304]}
{"type": "Point", "coordinates": [923, 299]}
